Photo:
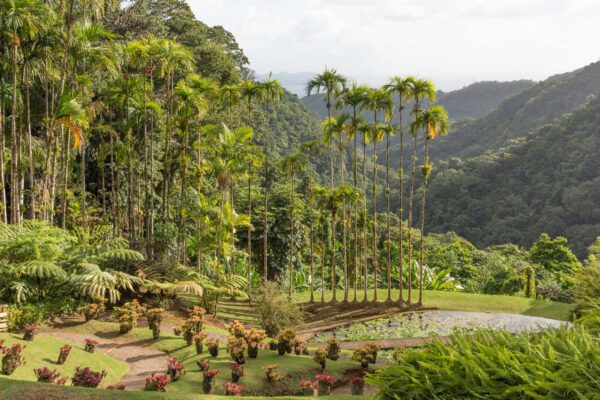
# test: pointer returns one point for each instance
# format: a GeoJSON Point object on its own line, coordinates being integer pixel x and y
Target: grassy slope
{"type": "Point", "coordinates": [471, 302]}
{"type": "Point", "coordinates": [44, 350]}
{"type": "Point", "coordinates": [19, 390]}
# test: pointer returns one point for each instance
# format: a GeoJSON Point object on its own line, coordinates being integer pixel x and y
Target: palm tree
{"type": "Point", "coordinates": [378, 100]}
{"type": "Point", "coordinates": [272, 92]}
{"type": "Point", "coordinates": [420, 89]}
{"type": "Point", "coordinates": [291, 165]}
{"type": "Point", "coordinates": [354, 97]}
{"type": "Point", "coordinates": [433, 122]}
{"type": "Point", "coordinates": [400, 87]}
{"type": "Point", "coordinates": [230, 96]}
{"type": "Point", "coordinates": [366, 129]}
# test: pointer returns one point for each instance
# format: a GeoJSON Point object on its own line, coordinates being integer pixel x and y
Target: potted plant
{"type": "Point", "coordinates": [309, 388]}
{"type": "Point", "coordinates": [64, 354]}
{"type": "Point", "coordinates": [373, 349]}
{"type": "Point", "coordinates": [364, 356]}
{"type": "Point", "coordinates": [236, 348]}
{"type": "Point", "coordinates": [204, 365]}
{"type": "Point", "coordinates": [208, 383]}
{"type": "Point", "coordinates": [175, 370]}
{"type": "Point", "coordinates": [299, 346]}
{"type": "Point", "coordinates": [237, 329]}
{"type": "Point", "coordinates": [333, 349]}
{"type": "Point", "coordinates": [358, 385]}
{"type": "Point", "coordinates": [29, 332]}
{"type": "Point", "coordinates": [157, 383]}
{"type": "Point", "coordinates": [272, 345]}
{"type": "Point", "coordinates": [237, 371]}
{"type": "Point", "coordinates": [87, 378]}
{"type": "Point", "coordinates": [213, 346]}
{"type": "Point", "coordinates": [128, 315]}
{"type": "Point", "coordinates": [272, 372]}
{"type": "Point", "coordinates": [92, 310]}
{"type": "Point", "coordinates": [232, 389]}
{"type": "Point", "coordinates": [198, 341]}
{"type": "Point", "coordinates": [320, 357]}
{"type": "Point", "coordinates": [12, 358]}
{"type": "Point", "coordinates": [285, 341]}
{"type": "Point", "coordinates": [190, 328]}
{"type": "Point", "coordinates": [325, 382]}
{"type": "Point", "coordinates": [45, 375]}
{"type": "Point", "coordinates": [90, 345]}
{"type": "Point", "coordinates": [253, 338]}
{"type": "Point", "coordinates": [154, 316]}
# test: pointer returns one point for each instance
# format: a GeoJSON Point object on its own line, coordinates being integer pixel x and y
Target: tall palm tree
{"type": "Point", "coordinates": [378, 101]}
{"type": "Point", "coordinates": [420, 89]}
{"type": "Point", "coordinates": [400, 87]}
{"type": "Point", "coordinates": [230, 96]}
{"type": "Point", "coordinates": [291, 165]}
{"type": "Point", "coordinates": [432, 122]}
{"type": "Point", "coordinates": [272, 92]}
{"type": "Point", "coordinates": [353, 97]}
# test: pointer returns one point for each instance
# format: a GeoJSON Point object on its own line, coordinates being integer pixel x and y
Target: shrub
{"type": "Point", "coordinates": [90, 345]}
{"type": "Point", "coordinates": [91, 311]}
{"type": "Point", "coordinates": [212, 345]}
{"type": "Point", "coordinates": [373, 349]}
{"type": "Point", "coordinates": [208, 383]}
{"type": "Point", "coordinates": [236, 347]}
{"type": "Point", "coordinates": [333, 349]}
{"type": "Point", "coordinates": [46, 375]}
{"type": "Point", "coordinates": [237, 329]}
{"type": "Point", "coordinates": [232, 389]}
{"type": "Point", "coordinates": [254, 337]}
{"type": "Point", "coordinates": [191, 327]}
{"type": "Point", "coordinates": [272, 372]}
{"type": "Point", "coordinates": [299, 346]}
{"type": "Point", "coordinates": [157, 383]}
{"type": "Point", "coordinates": [154, 316]}
{"type": "Point", "coordinates": [12, 358]}
{"type": "Point", "coordinates": [325, 382]}
{"type": "Point", "coordinates": [204, 365]}
{"type": "Point", "coordinates": [556, 363]}
{"type": "Point", "coordinates": [237, 371]}
{"type": "Point", "coordinates": [364, 356]}
{"type": "Point", "coordinates": [128, 315]}
{"type": "Point", "coordinates": [274, 310]}
{"type": "Point", "coordinates": [319, 358]}
{"type": "Point", "coordinates": [175, 370]}
{"type": "Point", "coordinates": [64, 354]}
{"type": "Point", "coordinates": [198, 341]}
{"type": "Point", "coordinates": [285, 341]}
{"type": "Point", "coordinates": [87, 378]}
{"type": "Point", "coordinates": [29, 331]}
{"type": "Point", "coordinates": [309, 388]}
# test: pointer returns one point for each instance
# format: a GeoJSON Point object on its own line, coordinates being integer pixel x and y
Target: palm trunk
{"type": "Point", "coordinates": [312, 261]}
{"type": "Point", "coordinates": [410, 208]}
{"type": "Point", "coordinates": [374, 222]}
{"type": "Point", "coordinates": [2, 172]}
{"type": "Point", "coordinates": [250, 234]}
{"type": "Point", "coordinates": [113, 184]}
{"type": "Point", "coordinates": [182, 246]}
{"type": "Point", "coordinates": [344, 221]}
{"type": "Point", "coordinates": [355, 216]}
{"type": "Point", "coordinates": [401, 210]}
{"type": "Point", "coordinates": [333, 257]}
{"type": "Point", "coordinates": [422, 244]}
{"type": "Point", "coordinates": [14, 190]}
{"type": "Point", "coordinates": [293, 247]}
{"type": "Point", "coordinates": [364, 227]}
{"type": "Point", "coordinates": [30, 157]}
{"type": "Point", "coordinates": [388, 210]}
{"type": "Point", "coordinates": [65, 178]}
{"type": "Point", "coordinates": [322, 269]}
{"type": "Point", "coordinates": [266, 194]}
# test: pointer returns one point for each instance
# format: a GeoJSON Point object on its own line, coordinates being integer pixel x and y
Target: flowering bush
{"type": "Point", "coordinates": [46, 375]}
{"type": "Point", "coordinates": [198, 341]}
{"type": "Point", "coordinates": [325, 382]}
{"type": "Point", "coordinates": [285, 341]}
{"type": "Point", "coordinates": [236, 347]}
{"type": "Point", "coordinates": [203, 364]}
{"type": "Point", "coordinates": [92, 310]}
{"type": "Point", "coordinates": [87, 378]}
{"type": "Point", "coordinates": [90, 345]}
{"type": "Point", "coordinates": [64, 353]}
{"type": "Point", "coordinates": [213, 346]}
{"type": "Point", "coordinates": [12, 358]}
{"type": "Point", "coordinates": [154, 316]}
{"type": "Point", "coordinates": [253, 338]}
{"type": "Point", "coordinates": [128, 315]}
{"type": "Point", "coordinates": [237, 329]}
{"type": "Point", "coordinates": [208, 384]}
{"type": "Point", "coordinates": [157, 383]}
{"type": "Point", "coordinates": [320, 357]}
{"type": "Point", "coordinates": [29, 331]}
{"type": "Point", "coordinates": [231, 389]}
{"type": "Point", "coordinates": [358, 385]}
{"type": "Point", "coordinates": [333, 349]}
{"type": "Point", "coordinates": [272, 372]}
{"type": "Point", "coordinates": [175, 369]}
{"type": "Point", "coordinates": [309, 387]}
{"type": "Point", "coordinates": [237, 371]}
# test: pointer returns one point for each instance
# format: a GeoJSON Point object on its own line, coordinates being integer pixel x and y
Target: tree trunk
{"type": "Point", "coordinates": [2, 172]}
{"type": "Point", "coordinates": [30, 157]}
{"type": "Point", "coordinates": [401, 210]}
{"type": "Point", "coordinates": [388, 211]}
{"type": "Point", "coordinates": [14, 185]}
{"type": "Point", "coordinates": [422, 244]}
{"type": "Point", "coordinates": [410, 207]}
{"type": "Point", "coordinates": [250, 234]}
{"type": "Point", "coordinates": [333, 257]}
{"type": "Point", "coordinates": [266, 194]}
{"type": "Point", "coordinates": [292, 244]}
{"type": "Point", "coordinates": [364, 227]}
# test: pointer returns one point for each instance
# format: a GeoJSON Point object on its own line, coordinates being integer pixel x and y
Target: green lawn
{"type": "Point", "coordinates": [458, 301]}
{"type": "Point", "coordinates": [21, 390]}
{"type": "Point", "coordinates": [43, 352]}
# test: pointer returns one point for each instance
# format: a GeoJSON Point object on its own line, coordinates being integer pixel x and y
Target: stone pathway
{"type": "Point", "coordinates": [142, 359]}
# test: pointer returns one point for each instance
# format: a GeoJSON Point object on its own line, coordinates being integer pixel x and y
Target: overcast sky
{"type": "Point", "coordinates": [454, 42]}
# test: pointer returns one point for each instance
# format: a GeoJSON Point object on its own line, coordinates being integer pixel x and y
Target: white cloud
{"type": "Point", "coordinates": [454, 42]}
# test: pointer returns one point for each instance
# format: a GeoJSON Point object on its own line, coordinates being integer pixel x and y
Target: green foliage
{"type": "Point", "coordinates": [274, 310]}
{"type": "Point", "coordinates": [557, 363]}
{"type": "Point", "coordinates": [556, 258]}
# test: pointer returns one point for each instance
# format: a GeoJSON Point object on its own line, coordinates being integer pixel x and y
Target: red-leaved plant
{"type": "Point", "coordinates": [175, 369]}
{"type": "Point", "coordinates": [12, 358]}
{"type": "Point", "coordinates": [232, 389]}
{"type": "Point", "coordinates": [64, 353]}
{"type": "Point", "coordinates": [29, 332]}
{"type": "Point", "coordinates": [208, 384]}
{"type": "Point", "coordinates": [90, 345]}
{"type": "Point", "coordinates": [157, 383]}
{"type": "Point", "coordinates": [48, 376]}
{"type": "Point", "coordinates": [87, 378]}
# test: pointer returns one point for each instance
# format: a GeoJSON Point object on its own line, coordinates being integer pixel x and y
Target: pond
{"type": "Point", "coordinates": [435, 323]}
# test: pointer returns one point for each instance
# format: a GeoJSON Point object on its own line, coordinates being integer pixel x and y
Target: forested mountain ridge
{"type": "Point", "coordinates": [546, 182]}
{"type": "Point", "coordinates": [472, 101]}
{"type": "Point", "coordinates": [520, 114]}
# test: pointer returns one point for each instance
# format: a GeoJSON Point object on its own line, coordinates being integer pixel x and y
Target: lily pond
{"type": "Point", "coordinates": [434, 323]}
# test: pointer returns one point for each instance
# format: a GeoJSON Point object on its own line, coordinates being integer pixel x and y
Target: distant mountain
{"type": "Point", "coordinates": [472, 101]}
{"type": "Point", "coordinates": [548, 181]}
{"type": "Point", "coordinates": [294, 82]}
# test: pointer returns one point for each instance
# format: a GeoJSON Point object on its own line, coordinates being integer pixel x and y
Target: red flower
{"type": "Point", "coordinates": [211, 373]}
{"type": "Point", "coordinates": [325, 378]}
{"type": "Point", "coordinates": [232, 389]}
{"type": "Point", "coordinates": [358, 379]}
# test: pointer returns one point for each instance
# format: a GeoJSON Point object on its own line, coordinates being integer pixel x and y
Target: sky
{"type": "Point", "coordinates": [453, 42]}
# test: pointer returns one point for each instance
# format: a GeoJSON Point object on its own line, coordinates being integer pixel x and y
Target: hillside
{"type": "Point", "coordinates": [546, 182]}
{"type": "Point", "coordinates": [472, 101]}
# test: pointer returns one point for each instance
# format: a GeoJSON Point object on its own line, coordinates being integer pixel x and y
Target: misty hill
{"type": "Point", "coordinates": [472, 101]}
{"type": "Point", "coordinates": [546, 182]}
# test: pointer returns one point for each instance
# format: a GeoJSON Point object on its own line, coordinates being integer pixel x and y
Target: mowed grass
{"type": "Point", "coordinates": [20, 390]}
{"type": "Point", "coordinates": [43, 352]}
{"type": "Point", "coordinates": [458, 301]}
